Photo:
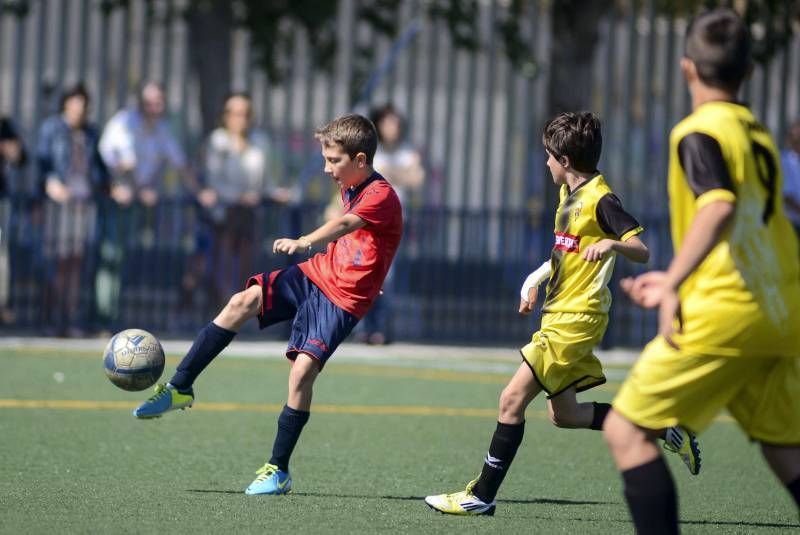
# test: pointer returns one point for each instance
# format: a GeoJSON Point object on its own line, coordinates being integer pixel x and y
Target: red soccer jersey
{"type": "Point", "coordinates": [351, 272]}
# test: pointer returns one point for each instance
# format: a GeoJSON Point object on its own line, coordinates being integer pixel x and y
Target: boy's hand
{"type": "Point", "coordinates": [289, 246]}
{"type": "Point", "coordinates": [651, 290]}
{"type": "Point", "coordinates": [526, 307]}
{"type": "Point", "coordinates": [597, 251]}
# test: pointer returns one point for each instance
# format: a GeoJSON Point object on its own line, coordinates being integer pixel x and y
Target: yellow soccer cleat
{"type": "Point", "coordinates": [461, 503]}
{"type": "Point", "coordinates": [684, 443]}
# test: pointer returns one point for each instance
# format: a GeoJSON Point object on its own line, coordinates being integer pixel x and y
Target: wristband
{"type": "Point", "coordinates": [308, 247]}
{"type": "Point", "coordinates": [535, 279]}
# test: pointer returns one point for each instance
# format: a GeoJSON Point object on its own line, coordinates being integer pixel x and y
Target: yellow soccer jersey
{"type": "Point", "coordinates": [584, 217]}
{"type": "Point", "coordinates": [743, 299]}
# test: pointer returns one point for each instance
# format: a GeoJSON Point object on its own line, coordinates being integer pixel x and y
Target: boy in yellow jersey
{"type": "Point", "coordinates": [591, 227]}
{"type": "Point", "coordinates": [730, 299]}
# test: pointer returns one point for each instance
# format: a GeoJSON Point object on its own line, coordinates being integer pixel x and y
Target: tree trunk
{"type": "Point", "coordinates": [210, 30]}
{"type": "Point", "coordinates": [575, 30]}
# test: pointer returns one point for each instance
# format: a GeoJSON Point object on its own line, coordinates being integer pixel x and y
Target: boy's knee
{"type": "Point", "coordinates": [563, 418]}
{"type": "Point", "coordinates": [620, 434]}
{"type": "Point", "coordinates": [246, 303]}
{"type": "Point", "coordinates": [512, 405]}
{"type": "Point", "coordinates": [304, 373]}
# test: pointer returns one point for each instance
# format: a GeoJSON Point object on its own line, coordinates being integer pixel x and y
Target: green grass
{"type": "Point", "coordinates": [87, 469]}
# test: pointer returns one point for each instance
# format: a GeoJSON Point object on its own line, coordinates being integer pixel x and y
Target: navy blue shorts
{"type": "Point", "coordinates": [318, 326]}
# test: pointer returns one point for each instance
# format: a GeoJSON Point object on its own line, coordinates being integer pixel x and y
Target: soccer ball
{"type": "Point", "coordinates": [133, 359]}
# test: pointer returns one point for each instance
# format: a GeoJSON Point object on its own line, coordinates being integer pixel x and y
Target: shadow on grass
{"type": "Point", "coordinates": [405, 498]}
{"type": "Point", "coordinates": [533, 501]}
{"type": "Point", "coordinates": [734, 523]}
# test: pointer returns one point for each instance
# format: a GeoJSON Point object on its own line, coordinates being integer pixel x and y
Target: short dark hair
{"type": "Point", "coordinates": [77, 90]}
{"type": "Point", "coordinates": [718, 43]}
{"type": "Point", "coordinates": [355, 133]}
{"type": "Point", "coordinates": [576, 136]}
{"type": "Point", "coordinates": [378, 114]}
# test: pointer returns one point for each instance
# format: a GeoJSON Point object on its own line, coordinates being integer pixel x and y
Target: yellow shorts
{"type": "Point", "coordinates": [667, 387]}
{"type": "Point", "coordinates": [560, 353]}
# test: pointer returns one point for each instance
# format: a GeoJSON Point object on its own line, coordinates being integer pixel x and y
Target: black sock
{"type": "Point", "coordinates": [600, 413]}
{"type": "Point", "coordinates": [290, 424]}
{"type": "Point", "coordinates": [650, 493]}
{"type": "Point", "coordinates": [794, 490]}
{"type": "Point", "coordinates": [506, 440]}
{"type": "Point", "coordinates": [211, 340]}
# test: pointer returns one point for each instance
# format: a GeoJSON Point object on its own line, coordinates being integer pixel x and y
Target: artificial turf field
{"type": "Point", "coordinates": [382, 435]}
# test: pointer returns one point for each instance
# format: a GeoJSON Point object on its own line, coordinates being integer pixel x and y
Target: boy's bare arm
{"type": "Point", "coordinates": [318, 239]}
{"type": "Point", "coordinates": [633, 249]}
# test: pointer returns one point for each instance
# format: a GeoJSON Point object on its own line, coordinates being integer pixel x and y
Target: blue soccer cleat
{"type": "Point", "coordinates": [166, 398]}
{"type": "Point", "coordinates": [270, 480]}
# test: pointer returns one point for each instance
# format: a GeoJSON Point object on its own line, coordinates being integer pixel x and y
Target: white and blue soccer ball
{"type": "Point", "coordinates": [133, 359]}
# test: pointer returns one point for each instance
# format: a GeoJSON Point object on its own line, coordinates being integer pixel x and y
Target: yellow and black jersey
{"type": "Point", "coordinates": [744, 297]}
{"type": "Point", "coordinates": [585, 216]}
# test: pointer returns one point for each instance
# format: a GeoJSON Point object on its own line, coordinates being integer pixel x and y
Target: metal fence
{"type": "Point", "coordinates": [155, 268]}
{"type": "Point", "coordinates": [482, 220]}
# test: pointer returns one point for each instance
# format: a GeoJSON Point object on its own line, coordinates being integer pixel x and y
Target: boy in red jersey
{"type": "Point", "coordinates": [324, 297]}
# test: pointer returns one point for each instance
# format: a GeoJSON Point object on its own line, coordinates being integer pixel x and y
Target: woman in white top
{"type": "Point", "coordinates": [237, 169]}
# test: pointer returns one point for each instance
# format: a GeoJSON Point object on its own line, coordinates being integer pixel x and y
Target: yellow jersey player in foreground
{"type": "Point", "coordinates": [730, 299]}
{"type": "Point", "coordinates": [591, 228]}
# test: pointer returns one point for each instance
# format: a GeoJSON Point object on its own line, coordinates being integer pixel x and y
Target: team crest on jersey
{"type": "Point", "coordinates": [567, 242]}
{"type": "Point", "coordinates": [577, 210]}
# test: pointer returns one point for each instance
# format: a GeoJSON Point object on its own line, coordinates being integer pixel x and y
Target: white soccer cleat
{"type": "Point", "coordinates": [461, 503]}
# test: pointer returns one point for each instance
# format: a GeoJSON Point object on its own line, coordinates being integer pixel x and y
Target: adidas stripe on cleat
{"type": "Point", "coordinates": [461, 503]}
{"type": "Point", "coordinates": [684, 443]}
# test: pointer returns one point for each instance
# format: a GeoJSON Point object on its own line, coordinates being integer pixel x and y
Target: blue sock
{"type": "Point", "coordinates": [211, 340]}
{"type": "Point", "coordinates": [290, 424]}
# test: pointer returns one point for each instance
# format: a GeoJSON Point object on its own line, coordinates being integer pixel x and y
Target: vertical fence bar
{"type": "Point", "coordinates": [185, 75]}
{"type": "Point", "coordinates": [40, 59]}
{"type": "Point", "coordinates": [762, 109]}
{"type": "Point", "coordinates": [411, 73]}
{"type": "Point", "coordinates": [609, 85]}
{"type": "Point", "coordinates": [627, 98]}
{"type": "Point", "coordinates": [430, 58]}
{"type": "Point", "coordinates": [489, 98]}
{"type": "Point", "coordinates": [784, 90]}
{"type": "Point", "coordinates": [61, 64]}
{"type": "Point", "coordinates": [123, 65]}
{"type": "Point", "coordinates": [669, 72]}
{"type": "Point", "coordinates": [168, 25]}
{"type": "Point", "coordinates": [144, 57]}
{"type": "Point", "coordinates": [102, 59]}
{"type": "Point", "coordinates": [19, 62]}
{"type": "Point", "coordinates": [2, 55]}
{"type": "Point", "coordinates": [451, 62]}
{"type": "Point", "coordinates": [83, 37]}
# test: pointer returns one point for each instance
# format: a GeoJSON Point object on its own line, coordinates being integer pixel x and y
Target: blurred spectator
{"type": "Point", "coordinates": [237, 173]}
{"type": "Point", "coordinates": [12, 158]}
{"type": "Point", "coordinates": [142, 153]}
{"type": "Point", "coordinates": [401, 164]}
{"type": "Point", "coordinates": [72, 175]}
{"type": "Point", "coordinates": [790, 162]}
{"type": "Point", "coordinates": [396, 159]}
{"type": "Point", "coordinates": [139, 148]}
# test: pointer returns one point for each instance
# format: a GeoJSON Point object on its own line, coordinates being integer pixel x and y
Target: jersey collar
{"type": "Point", "coordinates": [597, 174]}
{"type": "Point", "coordinates": [352, 193]}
